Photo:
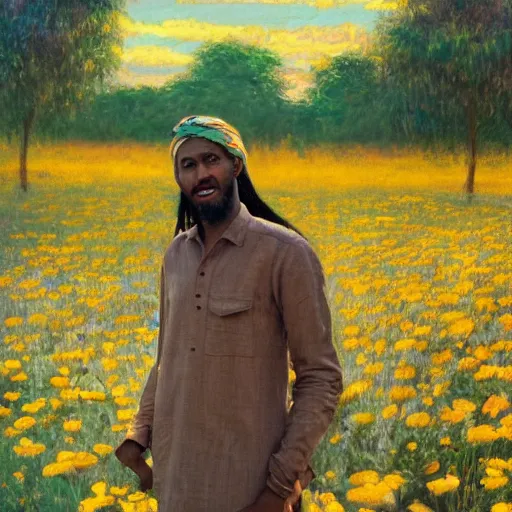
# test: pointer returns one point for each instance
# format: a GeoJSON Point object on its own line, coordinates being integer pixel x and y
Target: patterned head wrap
{"type": "Point", "coordinates": [211, 128]}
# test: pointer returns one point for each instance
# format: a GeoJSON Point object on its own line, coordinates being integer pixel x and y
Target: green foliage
{"type": "Point", "coordinates": [450, 57]}
{"type": "Point", "coordinates": [53, 55]}
{"type": "Point", "coordinates": [347, 101]}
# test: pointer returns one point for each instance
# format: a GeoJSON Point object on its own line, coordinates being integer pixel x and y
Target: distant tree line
{"type": "Point", "coordinates": [439, 75]}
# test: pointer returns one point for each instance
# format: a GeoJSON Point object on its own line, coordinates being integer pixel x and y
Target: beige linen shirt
{"type": "Point", "coordinates": [214, 409]}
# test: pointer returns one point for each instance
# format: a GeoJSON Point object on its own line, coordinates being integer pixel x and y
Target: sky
{"type": "Point", "coordinates": [160, 36]}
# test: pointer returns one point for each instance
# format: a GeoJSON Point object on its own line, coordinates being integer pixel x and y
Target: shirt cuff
{"type": "Point", "coordinates": [141, 436]}
{"type": "Point", "coordinates": [284, 489]}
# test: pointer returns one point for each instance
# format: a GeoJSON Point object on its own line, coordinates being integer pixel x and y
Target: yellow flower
{"type": "Point", "coordinates": [418, 420]}
{"type": "Point", "coordinates": [34, 406]}
{"type": "Point", "coordinates": [412, 446]}
{"type": "Point", "coordinates": [336, 438]}
{"type": "Point", "coordinates": [490, 483]}
{"type": "Point", "coordinates": [64, 370]}
{"type": "Point", "coordinates": [102, 449]}
{"type": "Point", "coordinates": [4, 411]}
{"type": "Point", "coordinates": [372, 494]}
{"type": "Point", "coordinates": [84, 460]}
{"type": "Point", "coordinates": [419, 507]}
{"type": "Point", "coordinates": [374, 368]}
{"type": "Point", "coordinates": [330, 475]}
{"type": "Point", "coordinates": [389, 411]}
{"type": "Point", "coordinates": [445, 441]}
{"type": "Point", "coordinates": [125, 414]}
{"type": "Point", "coordinates": [432, 468]}
{"type": "Point", "coordinates": [443, 485]}
{"type": "Point", "coordinates": [59, 382]}
{"type": "Point", "coordinates": [452, 416]}
{"type": "Point", "coordinates": [13, 321]}
{"type": "Point", "coordinates": [502, 507]}
{"type": "Point", "coordinates": [405, 372]}
{"type": "Point", "coordinates": [12, 364]}
{"type": "Point", "coordinates": [24, 423]}
{"type": "Point", "coordinates": [93, 504]}
{"type": "Point", "coordinates": [93, 395]}
{"type": "Point", "coordinates": [483, 353]}
{"type": "Point", "coordinates": [468, 364]}
{"type": "Point", "coordinates": [354, 390]}
{"type": "Point", "coordinates": [118, 391]}
{"type": "Point", "coordinates": [494, 405]}
{"type": "Point", "coordinates": [27, 448]}
{"type": "Point", "coordinates": [463, 327]}
{"type": "Point", "coordinates": [482, 434]}
{"type": "Point", "coordinates": [334, 506]}
{"type": "Point", "coordinates": [12, 396]}
{"type": "Point", "coordinates": [363, 418]}
{"type": "Point", "coordinates": [72, 425]}
{"type": "Point", "coordinates": [364, 477]}
{"type": "Point", "coordinates": [11, 432]}
{"type": "Point", "coordinates": [461, 404]}
{"type": "Point", "coordinates": [351, 330]}
{"type": "Point", "coordinates": [19, 476]}
{"type": "Point", "coordinates": [57, 468]}
{"type": "Point", "coordinates": [401, 393]}
{"type": "Point", "coordinates": [136, 496]}
{"type": "Point", "coordinates": [19, 377]}
{"type": "Point", "coordinates": [326, 497]}
{"type": "Point", "coordinates": [394, 481]}
{"type": "Point", "coordinates": [440, 358]}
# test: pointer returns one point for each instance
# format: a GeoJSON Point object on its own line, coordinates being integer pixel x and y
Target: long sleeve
{"type": "Point", "coordinates": [300, 292]}
{"type": "Point", "coordinates": [140, 430]}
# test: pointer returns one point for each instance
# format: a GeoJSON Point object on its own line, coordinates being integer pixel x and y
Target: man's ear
{"type": "Point", "coordinates": [238, 165]}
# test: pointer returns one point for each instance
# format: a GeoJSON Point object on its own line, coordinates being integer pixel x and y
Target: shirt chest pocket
{"type": "Point", "coordinates": [229, 327]}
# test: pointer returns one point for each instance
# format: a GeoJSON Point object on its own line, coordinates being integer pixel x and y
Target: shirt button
{"type": "Point", "coordinates": [198, 307]}
{"type": "Point", "coordinates": [192, 349]}
{"type": "Point", "coordinates": [198, 295]}
{"type": "Point", "coordinates": [201, 273]}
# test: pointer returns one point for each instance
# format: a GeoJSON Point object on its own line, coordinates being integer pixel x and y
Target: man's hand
{"type": "Point", "coordinates": [130, 453]}
{"type": "Point", "coordinates": [268, 501]}
{"type": "Point", "coordinates": [294, 497]}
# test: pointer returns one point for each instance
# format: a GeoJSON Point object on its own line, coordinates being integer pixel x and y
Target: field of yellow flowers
{"type": "Point", "coordinates": [420, 288]}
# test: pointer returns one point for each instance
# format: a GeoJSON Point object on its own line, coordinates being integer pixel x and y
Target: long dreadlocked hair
{"type": "Point", "coordinates": [247, 194]}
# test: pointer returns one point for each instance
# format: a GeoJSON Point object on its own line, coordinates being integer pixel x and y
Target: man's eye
{"type": "Point", "coordinates": [212, 158]}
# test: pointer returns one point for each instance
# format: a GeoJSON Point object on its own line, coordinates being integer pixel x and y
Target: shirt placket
{"type": "Point", "coordinates": [202, 286]}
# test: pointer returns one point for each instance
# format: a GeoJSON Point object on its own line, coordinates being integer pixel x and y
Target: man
{"type": "Point", "coordinates": [240, 289]}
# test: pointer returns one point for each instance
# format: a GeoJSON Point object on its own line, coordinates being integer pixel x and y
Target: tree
{"type": "Point", "coordinates": [237, 82]}
{"type": "Point", "coordinates": [54, 56]}
{"type": "Point", "coordinates": [347, 100]}
{"type": "Point", "coordinates": [455, 59]}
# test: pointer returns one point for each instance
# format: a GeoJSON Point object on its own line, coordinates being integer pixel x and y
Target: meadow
{"type": "Point", "coordinates": [419, 283]}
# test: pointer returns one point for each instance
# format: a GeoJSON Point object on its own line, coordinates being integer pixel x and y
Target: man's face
{"type": "Point", "coordinates": [206, 175]}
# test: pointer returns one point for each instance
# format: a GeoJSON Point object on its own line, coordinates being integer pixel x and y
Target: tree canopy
{"type": "Point", "coordinates": [54, 54]}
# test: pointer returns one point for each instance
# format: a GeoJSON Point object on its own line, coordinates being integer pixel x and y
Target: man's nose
{"type": "Point", "coordinates": [202, 171]}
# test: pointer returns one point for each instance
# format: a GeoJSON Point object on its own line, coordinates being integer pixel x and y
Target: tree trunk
{"type": "Point", "coordinates": [27, 126]}
{"type": "Point", "coordinates": [469, 186]}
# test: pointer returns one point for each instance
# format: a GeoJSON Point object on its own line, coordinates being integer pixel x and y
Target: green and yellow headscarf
{"type": "Point", "coordinates": [211, 128]}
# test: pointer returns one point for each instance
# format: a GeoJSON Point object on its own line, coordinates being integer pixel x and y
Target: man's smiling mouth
{"type": "Point", "coordinates": [206, 192]}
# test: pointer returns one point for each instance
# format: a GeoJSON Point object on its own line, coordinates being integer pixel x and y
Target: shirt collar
{"type": "Point", "coordinates": [236, 230]}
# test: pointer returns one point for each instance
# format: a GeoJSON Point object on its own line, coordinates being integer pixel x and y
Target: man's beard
{"type": "Point", "coordinates": [213, 213]}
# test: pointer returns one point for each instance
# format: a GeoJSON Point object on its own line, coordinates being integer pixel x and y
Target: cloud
{"type": "Point", "coordinates": [154, 56]}
{"type": "Point", "coordinates": [308, 42]}
{"type": "Point", "coordinates": [319, 4]}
